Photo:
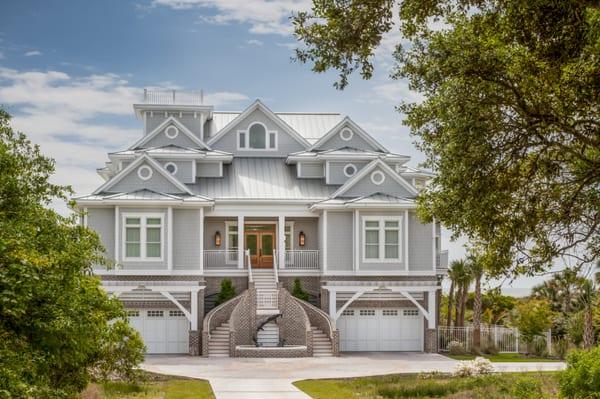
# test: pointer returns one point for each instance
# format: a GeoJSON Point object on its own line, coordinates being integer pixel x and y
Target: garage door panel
{"type": "Point", "coordinates": [162, 330]}
{"type": "Point", "coordinates": [376, 329]}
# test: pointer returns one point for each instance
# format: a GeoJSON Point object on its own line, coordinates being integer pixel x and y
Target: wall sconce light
{"type": "Point", "coordinates": [301, 239]}
{"type": "Point", "coordinates": [217, 239]}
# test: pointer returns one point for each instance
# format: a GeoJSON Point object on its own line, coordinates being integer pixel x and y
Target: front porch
{"type": "Point", "coordinates": [224, 249]}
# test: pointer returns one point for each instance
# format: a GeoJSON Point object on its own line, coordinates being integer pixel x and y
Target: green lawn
{"type": "Point", "coordinates": [505, 357]}
{"type": "Point", "coordinates": [497, 386]}
{"type": "Point", "coordinates": [162, 389]}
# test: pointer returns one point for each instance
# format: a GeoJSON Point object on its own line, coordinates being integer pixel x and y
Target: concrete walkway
{"type": "Point", "coordinates": [233, 378]}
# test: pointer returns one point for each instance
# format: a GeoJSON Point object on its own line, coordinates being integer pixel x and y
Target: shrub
{"type": "Point", "coordinates": [490, 349]}
{"type": "Point", "coordinates": [575, 328]}
{"type": "Point", "coordinates": [527, 388]}
{"type": "Point", "coordinates": [561, 346]}
{"type": "Point", "coordinates": [298, 292]}
{"type": "Point", "coordinates": [227, 291]}
{"type": "Point", "coordinates": [456, 348]}
{"type": "Point", "coordinates": [477, 367]}
{"type": "Point", "coordinates": [539, 346]}
{"type": "Point", "coordinates": [581, 379]}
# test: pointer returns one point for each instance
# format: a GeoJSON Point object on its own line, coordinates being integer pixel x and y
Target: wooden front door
{"type": "Point", "coordinates": [261, 245]}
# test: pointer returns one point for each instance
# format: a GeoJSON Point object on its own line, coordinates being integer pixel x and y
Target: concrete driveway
{"type": "Point", "coordinates": [233, 378]}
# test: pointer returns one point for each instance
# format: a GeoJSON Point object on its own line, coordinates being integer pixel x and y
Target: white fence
{"type": "Point", "coordinates": [218, 259]}
{"type": "Point", "coordinates": [302, 259]}
{"type": "Point", "coordinates": [502, 338]}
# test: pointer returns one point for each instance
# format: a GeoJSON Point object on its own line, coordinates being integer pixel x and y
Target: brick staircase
{"type": "Point", "coordinates": [266, 291]}
{"type": "Point", "coordinates": [218, 344]}
{"type": "Point", "coordinates": [321, 343]}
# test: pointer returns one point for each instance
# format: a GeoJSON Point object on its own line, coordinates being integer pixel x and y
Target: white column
{"type": "Point", "coordinates": [356, 239]}
{"type": "Point", "coordinates": [202, 239]}
{"type": "Point", "coordinates": [85, 217]}
{"type": "Point", "coordinates": [406, 240]}
{"type": "Point", "coordinates": [170, 238]}
{"type": "Point", "coordinates": [241, 242]}
{"type": "Point", "coordinates": [433, 245]}
{"type": "Point", "coordinates": [194, 310]}
{"type": "Point", "coordinates": [332, 306]}
{"type": "Point", "coordinates": [117, 234]}
{"type": "Point", "coordinates": [431, 309]}
{"type": "Point", "coordinates": [281, 242]}
{"type": "Point", "coordinates": [324, 240]}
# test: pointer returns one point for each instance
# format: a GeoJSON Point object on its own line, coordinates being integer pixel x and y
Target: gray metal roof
{"type": "Point", "coordinates": [144, 194]}
{"type": "Point", "coordinates": [261, 178]}
{"type": "Point", "coordinates": [311, 126]}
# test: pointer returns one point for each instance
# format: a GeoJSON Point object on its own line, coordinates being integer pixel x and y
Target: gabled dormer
{"type": "Point", "coordinates": [348, 134]}
{"type": "Point", "coordinates": [171, 132]}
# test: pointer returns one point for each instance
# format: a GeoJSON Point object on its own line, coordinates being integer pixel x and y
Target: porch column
{"type": "Point", "coordinates": [241, 242]}
{"type": "Point", "coordinates": [432, 309]}
{"type": "Point", "coordinates": [281, 242]}
{"type": "Point", "coordinates": [333, 306]}
{"type": "Point", "coordinates": [201, 246]}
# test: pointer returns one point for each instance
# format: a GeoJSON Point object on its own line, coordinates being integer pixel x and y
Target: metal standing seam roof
{"type": "Point", "coordinates": [261, 178]}
{"type": "Point", "coordinates": [144, 194]}
{"type": "Point", "coordinates": [311, 126]}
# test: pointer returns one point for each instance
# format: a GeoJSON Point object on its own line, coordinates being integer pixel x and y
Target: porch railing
{"type": "Point", "coordinates": [442, 260]}
{"type": "Point", "coordinates": [220, 259]}
{"type": "Point", "coordinates": [302, 259]}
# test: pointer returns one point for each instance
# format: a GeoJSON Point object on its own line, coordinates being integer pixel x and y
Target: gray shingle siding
{"type": "Point", "coordinates": [185, 173]}
{"type": "Point", "coordinates": [161, 140]}
{"type": "Point", "coordinates": [365, 187]}
{"type": "Point", "coordinates": [380, 266]}
{"type": "Point", "coordinates": [336, 142]}
{"type": "Point", "coordinates": [339, 241]}
{"type": "Point", "coordinates": [311, 170]}
{"type": "Point", "coordinates": [186, 239]}
{"type": "Point", "coordinates": [420, 253]}
{"type": "Point", "coordinates": [285, 143]}
{"type": "Point", "coordinates": [310, 228]}
{"type": "Point", "coordinates": [336, 170]}
{"type": "Point", "coordinates": [132, 182]}
{"type": "Point", "coordinates": [152, 122]}
{"type": "Point", "coordinates": [102, 221]}
{"type": "Point", "coordinates": [208, 169]}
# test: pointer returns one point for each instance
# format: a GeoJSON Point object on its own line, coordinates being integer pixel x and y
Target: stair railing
{"type": "Point", "coordinates": [249, 260]}
{"type": "Point", "coordinates": [276, 266]}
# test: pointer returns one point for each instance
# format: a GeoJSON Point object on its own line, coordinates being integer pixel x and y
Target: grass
{"type": "Point", "coordinates": [497, 386]}
{"type": "Point", "coordinates": [505, 357]}
{"type": "Point", "coordinates": [166, 388]}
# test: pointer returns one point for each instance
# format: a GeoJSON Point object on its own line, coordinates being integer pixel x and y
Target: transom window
{"type": "Point", "coordinates": [143, 237]}
{"type": "Point", "coordinates": [410, 312]}
{"type": "Point", "coordinates": [367, 312]}
{"type": "Point", "coordinates": [155, 313]}
{"type": "Point", "coordinates": [257, 137]}
{"type": "Point", "coordinates": [176, 313]}
{"type": "Point", "coordinates": [390, 312]}
{"type": "Point", "coordinates": [382, 239]}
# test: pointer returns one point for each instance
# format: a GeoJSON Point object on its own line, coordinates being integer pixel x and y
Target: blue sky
{"type": "Point", "coordinates": [71, 70]}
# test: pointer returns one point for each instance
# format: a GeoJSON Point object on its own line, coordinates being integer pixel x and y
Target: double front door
{"type": "Point", "coordinates": [261, 245]}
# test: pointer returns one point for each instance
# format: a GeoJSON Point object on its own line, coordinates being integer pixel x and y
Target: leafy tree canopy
{"type": "Point", "coordinates": [54, 316]}
{"type": "Point", "coordinates": [510, 119]}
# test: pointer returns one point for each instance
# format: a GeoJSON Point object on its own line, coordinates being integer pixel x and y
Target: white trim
{"type": "Point", "coordinates": [324, 240]}
{"type": "Point", "coordinates": [431, 306]}
{"type": "Point", "coordinates": [327, 168]}
{"type": "Point", "coordinates": [171, 164]}
{"type": "Point", "coordinates": [348, 166]}
{"type": "Point", "coordinates": [143, 168]}
{"type": "Point", "coordinates": [356, 239]}
{"type": "Point", "coordinates": [170, 238]}
{"type": "Point", "coordinates": [117, 250]}
{"type": "Point", "coordinates": [434, 235]}
{"type": "Point", "coordinates": [142, 226]}
{"type": "Point", "coordinates": [268, 143]}
{"type": "Point", "coordinates": [276, 119]}
{"type": "Point", "coordinates": [364, 171]}
{"type": "Point", "coordinates": [355, 129]}
{"type": "Point", "coordinates": [194, 167]}
{"type": "Point", "coordinates": [201, 244]}
{"type": "Point", "coordinates": [281, 241]}
{"type": "Point", "coordinates": [85, 217]}
{"type": "Point", "coordinates": [171, 135]}
{"type": "Point", "coordinates": [143, 158]}
{"type": "Point", "coordinates": [146, 272]}
{"type": "Point", "coordinates": [406, 216]}
{"type": "Point", "coordinates": [381, 242]}
{"type": "Point", "coordinates": [229, 223]}
{"type": "Point", "coordinates": [162, 126]}
{"type": "Point", "coordinates": [171, 298]}
{"type": "Point", "coordinates": [346, 130]}
{"type": "Point", "coordinates": [377, 177]}
{"type": "Point", "coordinates": [241, 243]}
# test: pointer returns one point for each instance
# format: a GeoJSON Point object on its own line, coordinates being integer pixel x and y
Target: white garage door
{"type": "Point", "coordinates": [163, 330]}
{"type": "Point", "coordinates": [376, 329]}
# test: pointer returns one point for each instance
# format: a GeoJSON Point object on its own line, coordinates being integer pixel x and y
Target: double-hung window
{"type": "Point", "coordinates": [382, 241]}
{"type": "Point", "coordinates": [143, 237]}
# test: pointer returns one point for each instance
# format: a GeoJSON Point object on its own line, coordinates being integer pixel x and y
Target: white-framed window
{"type": "Point", "coordinates": [171, 167]}
{"type": "Point", "coordinates": [367, 312]}
{"type": "Point", "coordinates": [377, 177]}
{"type": "Point", "coordinates": [382, 239]}
{"type": "Point", "coordinates": [289, 236]}
{"type": "Point", "coordinates": [176, 313]}
{"type": "Point", "coordinates": [145, 172]}
{"type": "Point", "coordinates": [346, 134]}
{"type": "Point", "coordinates": [171, 131]}
{"type": "Point", "coordinates": [349, 170]}
{"type": "Point", "coordinates": [390, 312]}
{"type": "Point", "coordinates": [348, 312]}
{"type": "Point", "coordinates": [410, 312]}
{"type": "Point", "coordinates": [155, 313]}
{"type": "Point", "coordinates": [143, 237]}
{"type": "Point", "coordinates": [231, 242]}
{"type": "Point", "coordinates": [257, 137]}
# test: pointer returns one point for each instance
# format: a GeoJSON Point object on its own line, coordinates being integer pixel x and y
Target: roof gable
{"type": "Point", "coordinates": [358, 138]}
{"type": "Point", "coordinates": [129, 180]}
{"type": "Point", "coordinates": [185, 137]}
{"type": "Point", "coordinates": [258, 105]}
{"type": "Point", "coordinates": [366, 182]}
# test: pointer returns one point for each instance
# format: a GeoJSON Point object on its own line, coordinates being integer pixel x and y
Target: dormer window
{"type": "Point", "coordinates": [257, 137]}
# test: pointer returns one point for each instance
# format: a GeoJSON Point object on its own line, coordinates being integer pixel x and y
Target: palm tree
{"type": "Point", "coordinates": [463, 281]}
{"type": "Point", "coordinates": [476, 272]}
{"type": "Point", "coordinates": [453, 274]}
{"type": "Point", "coordinates": [588, 293]}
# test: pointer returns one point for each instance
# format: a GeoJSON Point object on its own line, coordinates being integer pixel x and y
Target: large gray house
{"type": "Point", "coordinates": [265, 198]}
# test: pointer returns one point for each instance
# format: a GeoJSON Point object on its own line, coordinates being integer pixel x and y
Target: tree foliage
{"type": "Point", "coordinates": [298, 291]}
{"type": "Point", "coordinates": [54, 316]}
{"type": "Point", "coordinates": [227, 291]}
{"type": "Point", "coordinates": [509, 121]}
{"type": "Point", "coordinates": [533, 318]}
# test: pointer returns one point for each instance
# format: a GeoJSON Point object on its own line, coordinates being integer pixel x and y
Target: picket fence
{"type": "Point", "coordinates": [504, 339]}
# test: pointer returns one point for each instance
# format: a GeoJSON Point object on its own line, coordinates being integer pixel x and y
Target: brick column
{"type": "Point", "coordinates": [431, 341]}
{"type": "Point", "coordinates": [194, 348]}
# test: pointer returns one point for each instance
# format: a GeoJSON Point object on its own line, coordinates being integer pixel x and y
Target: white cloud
{"type": "Point", "coordinates": [32, 53]}
{"type": "Point", "coordinates": [392, 93]}
{"type": "Point", "coordinates": [254, 42]}
{"type": "Point", "coordinates": [263, 16]}
{"type": "Point", "coordinates": [77, 120]}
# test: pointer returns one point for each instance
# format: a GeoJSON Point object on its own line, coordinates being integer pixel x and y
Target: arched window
{"type": "Point", "coordinates": [258, 136]}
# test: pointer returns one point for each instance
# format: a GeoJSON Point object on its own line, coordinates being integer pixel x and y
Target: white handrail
{"type": "Point", "coordinates": [249, 260]}
{"type": "Point", "coordinates": [276, 266]}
